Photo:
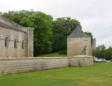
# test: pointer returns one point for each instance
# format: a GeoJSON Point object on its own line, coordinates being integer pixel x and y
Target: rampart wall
{"type": "Point", "coordinates": [11, 66]}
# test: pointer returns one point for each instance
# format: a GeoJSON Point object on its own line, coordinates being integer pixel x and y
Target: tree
{"type": "Point", "coordinates": [90, 34]}
{"type": "Point", "coordinates": [103, 52]}
{"type": "Point", "coordinates": [42, 24]}
{"type": "Point", "coordinates": [100, 51]}
{"type": "Point", "coordinates": [62, 27]}
{"type": "Point", "coordinates": [108, 53]}
{"type": "Point", "coordinates": [49, 35]}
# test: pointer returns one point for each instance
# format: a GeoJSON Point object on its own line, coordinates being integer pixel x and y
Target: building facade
{"type": "Point", "coordinates": [15, 40]}
{"type": "Point", "coordinates": [78, 43]}
{"type": "Point", "coordinates": [94, 44]}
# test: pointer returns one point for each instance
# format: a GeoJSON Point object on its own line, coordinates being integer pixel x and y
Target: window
{"type": "Point", "coordinates": [15, 43]}
{"type": "Point", "coordinates": [6, 42]}
{"type": "Point", "coordinates": [23, 44]}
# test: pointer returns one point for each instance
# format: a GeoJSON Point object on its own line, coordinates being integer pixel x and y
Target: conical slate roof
{"type": "Point", "coordinates": [78, 33]}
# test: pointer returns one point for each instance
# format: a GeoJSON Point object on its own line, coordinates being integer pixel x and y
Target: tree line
{"type": "Point", "coordinates": [50, 35]}
{"type": "Point", "coordinates": [103, 52]}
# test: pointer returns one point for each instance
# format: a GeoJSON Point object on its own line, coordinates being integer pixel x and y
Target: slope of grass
{"type": "Point", "coordinates": [98, 75]}
{"type": "Point", "coordinates": [56, 54]}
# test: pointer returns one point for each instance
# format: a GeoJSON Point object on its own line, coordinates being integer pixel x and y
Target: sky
{"type": "Point", "coordinates": [94, 15]}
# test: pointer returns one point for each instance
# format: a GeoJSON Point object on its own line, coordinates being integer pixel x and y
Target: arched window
{"type": "Point", "coordinates": [22, 44]}
{"type": "Point", "coordinates": [6, 42]}
{"type": "Point", "coordinates": [15, 43]}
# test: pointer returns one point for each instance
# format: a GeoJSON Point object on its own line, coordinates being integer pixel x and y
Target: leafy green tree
{"type": "Point", "coordinates": [42, 24]}
{"type": "Point", "coordinates": [49, 35]}
{"type": "Point", "coordinates": [108, 53]}
{"type": "Point", "coordinates": [100, 51]}
{"type": "Point", "coordinates": [62, 27]}
{"type": "Point", "coordinates": [18, 16]}
{"type": "Point", "coordinates": [103, 52]}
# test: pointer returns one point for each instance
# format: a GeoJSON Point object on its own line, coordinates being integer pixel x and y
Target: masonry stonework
{"type": "Point", "coordinates": [16, 43]}
{"type": "Point", "coordinates": [11, 66]}
{"type": "Point", "coordinates": [78, 43]}
{"type": "Point", "coordinates": [15, 40]}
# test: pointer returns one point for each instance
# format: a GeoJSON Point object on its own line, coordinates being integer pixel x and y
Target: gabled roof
{"type": "Point", "coordinates": [6, 23]}
{"type": "Point", "coordinates": [78, 33]}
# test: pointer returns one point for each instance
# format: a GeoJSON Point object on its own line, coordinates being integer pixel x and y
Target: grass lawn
{"type": "Point", "coordinates": [56, 54]}
{"type": "Point", "coordinates": [98, 75]}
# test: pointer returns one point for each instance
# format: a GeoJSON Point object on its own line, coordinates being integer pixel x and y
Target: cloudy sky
{"type": "Point", "coordinates": [95, 15]}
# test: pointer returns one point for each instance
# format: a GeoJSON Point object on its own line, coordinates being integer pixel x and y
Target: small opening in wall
{"type": "Point", "coordinates": [15, 43]}
{"type": "Point", "coordinates": [6, 42]}
{"type": "Point", "coordinates": [23, 44]}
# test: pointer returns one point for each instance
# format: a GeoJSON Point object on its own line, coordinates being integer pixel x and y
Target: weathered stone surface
{"type": "Point", "coordinates": [81, 60]}
{"type": "Point", "coordinates": [78, 43]}
{"type": "Point", "coordinates": [75, 46]}
{"type": "Point", "coordinates": [19, 41]}
{"type": "Point", "coordinates": [10, 66]}
{"type": "Point", "coordinates": [19, 44]}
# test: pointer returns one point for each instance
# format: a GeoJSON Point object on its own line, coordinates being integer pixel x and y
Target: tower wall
{"type": "Point", "coordinates": [79, 46]}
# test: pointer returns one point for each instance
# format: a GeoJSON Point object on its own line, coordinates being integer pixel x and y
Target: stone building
{"type": "Point", "coordinates": [78, 43]}
{"type": "Point", "coordinates": [94, 44]}
{"type": "Point", "coordinates": [15, 40]}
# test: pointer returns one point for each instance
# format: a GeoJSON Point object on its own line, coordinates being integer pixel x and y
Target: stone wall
{"type": "Point", "coordinates": [29, 42]}
{"type": "Point", "coordinates": [14, 43]}
{"type": "Point", "coordinates": [75, 46]}
{"type": "Point", "coordinates": [8, 49]}
{"type": "Point", "coordinates": [94, 44]}
{"type": "Point", "coordinates": [15, 40]}
{"type": "Point", "coordinates": [10, 66]}
{"type": "Point", "coordinates": [81, 60]}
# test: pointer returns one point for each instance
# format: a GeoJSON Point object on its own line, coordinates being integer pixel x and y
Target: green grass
{"type": "Point", "coordinates": [98, 75]}
{"type": "Point", "coordinates": [56, 54]}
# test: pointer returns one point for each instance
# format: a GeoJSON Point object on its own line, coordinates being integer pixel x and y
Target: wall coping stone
{"type": "Point", "coordinates": [82, 56]}
{"type": "Point", "coordinates": [32, 58]}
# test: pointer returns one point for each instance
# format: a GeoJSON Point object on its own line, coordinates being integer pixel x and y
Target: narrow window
{"type": "Point", "coordinates": [6, 42]}
{"type": "Point", "coordinates": [23, 44]}
{"type": "Point", "coordinates": [15, 43]}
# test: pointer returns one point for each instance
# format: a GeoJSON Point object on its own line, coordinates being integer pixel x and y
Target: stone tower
{"type": "Point", "coordinates": [78, 43]}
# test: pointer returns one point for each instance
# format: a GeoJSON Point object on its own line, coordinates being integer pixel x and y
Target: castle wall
{"type": "Point", "coordinates": [30, 42]}
{"type": "Point", "coordinates": [11, 48]}
{"type": "Point", "coordinates": [94, 44]}
{"type": "Point", "coordinates": [75, 46]}
{"type": "Point", "coordinates": [10, 66]}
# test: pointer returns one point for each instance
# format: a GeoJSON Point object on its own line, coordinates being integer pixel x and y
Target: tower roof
{"type": "Point", "coordinates": [78, 33]}
{"type": "Point", "coordinates": [6, 23]}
